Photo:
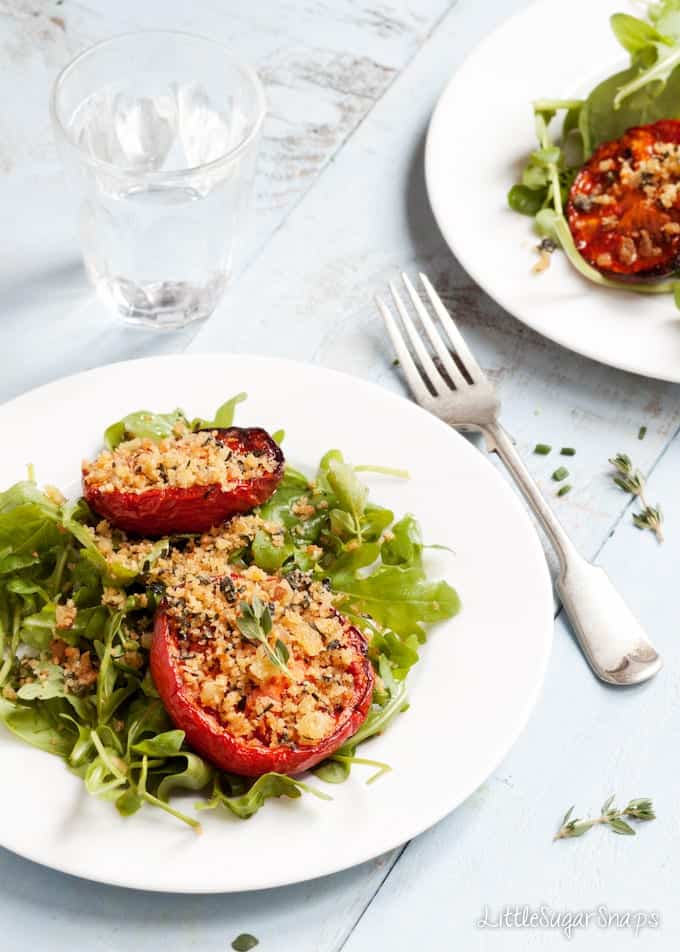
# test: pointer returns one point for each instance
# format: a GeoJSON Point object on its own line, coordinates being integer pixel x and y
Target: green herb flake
{"type": "Point", "coordinates": [642, 433]}
{"type": "Point", "coordinates": [542, 449]}
{"type": "Point", "coordinates": [244, 942]}
{"type": "Point", "coordinates": [563, 490]}
{"type": "Point", "coordinates": [560, 473]}
{"type": "Point", "coordinates": [567, 451]}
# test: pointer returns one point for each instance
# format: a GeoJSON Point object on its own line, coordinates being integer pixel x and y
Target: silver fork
{"type": "Point", "coordinates": [612, 639]}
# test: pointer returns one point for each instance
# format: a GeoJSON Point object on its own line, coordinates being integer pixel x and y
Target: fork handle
{"type": "Point", "coordinates": [611, 637]}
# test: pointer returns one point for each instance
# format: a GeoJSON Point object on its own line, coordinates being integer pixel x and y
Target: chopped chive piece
{"type": "Point", "coordinates": [567, 451]}
{"type": "Point", "coordinates": [542, 449]}
{"type": "Point", "coordinates": [561, 473]}
{"type": "Point", "coordinates": [244, 942]}
{"type": "Point", "coordinates": [642, 433]}
{"type": "Point", "coordinates": [563, 490]}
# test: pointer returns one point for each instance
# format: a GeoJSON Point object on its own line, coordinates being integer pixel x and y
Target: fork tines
{"type": "Point", "coordinates": [455, 367]}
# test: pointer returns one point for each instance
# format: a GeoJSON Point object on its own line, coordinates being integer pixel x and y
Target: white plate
{"type": "Point", "coordinates": [471, 694]}
{"type": "Point", "coordinates": [480, 135]}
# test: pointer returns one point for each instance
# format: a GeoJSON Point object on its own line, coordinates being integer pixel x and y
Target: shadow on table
{"type": "Point", "coordinates": [69, 903]}
{"type": "Point", "coordinates": [53, 317]}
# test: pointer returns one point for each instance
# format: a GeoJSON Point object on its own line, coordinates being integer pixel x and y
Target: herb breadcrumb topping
{"type": "Point", "coordinates": [243, 681]}
{"type": "Point", "coordinates": [178, 461]}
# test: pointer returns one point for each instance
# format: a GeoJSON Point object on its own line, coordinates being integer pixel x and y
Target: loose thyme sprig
{"type": "Point", "coordinates": [631, 480]}
{"type": "Point", "coordinates": [641, 809]}
{"type": "Point", "coordinates": [255, 623]}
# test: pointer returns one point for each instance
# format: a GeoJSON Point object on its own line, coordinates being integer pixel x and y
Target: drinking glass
{"type": "Point", "coordinates": [159, 132]}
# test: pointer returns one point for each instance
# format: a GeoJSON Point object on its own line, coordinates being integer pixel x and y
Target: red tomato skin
{"type": "Point", "coordinates": [158, 512]}
{"type": "Point", "coordinates": [210, 739]}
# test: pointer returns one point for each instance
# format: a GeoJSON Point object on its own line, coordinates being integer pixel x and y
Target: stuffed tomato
{"type": "Point", "coordinates": [186, 482]}
{"type": "Point", "coordinates": [624, 204]}
{"type": "Point", "coordinates": [259, 671]}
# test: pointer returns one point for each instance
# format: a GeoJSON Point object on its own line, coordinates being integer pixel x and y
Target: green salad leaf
{"type": "Point", "coordinates": [244, 801]}
{"type": "Point", "coordinates": [156, 426]}
{"type": "Point", "coordinates": [224, 415]}
{"type": "Point", "coordinates": [141, 425]}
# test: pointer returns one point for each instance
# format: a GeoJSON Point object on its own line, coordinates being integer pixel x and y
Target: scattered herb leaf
{"type": "Point", "coordinates": [244, 942]}
{"type": "Point", "coordinates": [610, 816]}
{"type": "Point", "coordinates": [631, 480]}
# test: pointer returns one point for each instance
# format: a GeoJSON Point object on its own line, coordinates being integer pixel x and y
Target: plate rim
{"type": "Point", "coordinates": [500, 751]}
{"type": "Point", "coordinates": [457, 248]}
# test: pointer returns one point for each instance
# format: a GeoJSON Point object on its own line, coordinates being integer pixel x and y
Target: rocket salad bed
{"type": "Point", "coordinates": [78, 600]}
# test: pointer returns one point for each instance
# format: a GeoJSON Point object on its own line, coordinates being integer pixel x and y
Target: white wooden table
{"type": "Point", "coordinates": [341, 207]}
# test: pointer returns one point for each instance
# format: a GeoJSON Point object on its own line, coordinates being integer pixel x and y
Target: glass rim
{"type": "Point", "coordinates": [110, 167]}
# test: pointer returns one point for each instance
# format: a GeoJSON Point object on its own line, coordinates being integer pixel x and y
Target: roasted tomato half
{"type": "Point", "coordinates": [624, 205]}
{"type": "Point", "coordinates": [183, 483]}
{"type": "Point", "coordinates": [248, 706]}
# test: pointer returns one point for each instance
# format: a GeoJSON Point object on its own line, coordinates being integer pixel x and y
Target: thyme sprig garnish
{"type": "Point", "coordinates": [650, 518]}
{"type": "Point", "coordinates": [630, 480]}
{"type": "Point", "coordinates": [641, 809]}
{"type": "Point", "coordinates": [255, 623]}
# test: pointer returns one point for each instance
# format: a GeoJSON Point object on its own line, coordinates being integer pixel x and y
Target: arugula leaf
{"type": "Point", "coordinates": [167, 744]}
{"type": "Point", "coordinates": [38, 725]}
{"type": "Point", "coordinates": [635, 35]}
{"type": "Point", "coordinates": [108, 674]}
{"type": "Point", "coordinates": [114, 574]}
{"type": "Point", "coordinates": [402, 653]}
{"type": "Point", "coordinates": [245, 805]}
{"type": "Point", "coordinates": [37, 630]}
{"type": "Point", "coordinates": [145, 716]}
{"type": "Point", "coordinates": [399, 598]}
{"type": "Point", "coordinates": [48, 683]}
{"type": "Point", "coordinates": [666, 17]}
{"type": "Point", "coordinates": [27, 493]}
{"type": "Point", "coordinates": [607, 115]}
{"type": "Point", "coordinates": [129, 802]}
{"type": "Point", "coordinates": [28, 529]}
{"type": "Point", "coordinates": [351, 493]}
{"type": "Point", "coordinates": [378, 719]}
{"type": "Point", "coordinates": [224, 415]}
{"type": "Point", "coordinates": [332, 771]}
{"type": "Point", "coordinates": [195, 775]}
{"type": "Point", "coordinates": [404, 545]}
{"type": "Point", "coordinates": [268, 556]}
{"type": "Point", "coordinates": [143, 424]}
{"type": "Point", "coordinates": [528, 200]}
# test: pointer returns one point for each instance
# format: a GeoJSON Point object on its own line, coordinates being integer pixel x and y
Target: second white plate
{"type": "Point", "coordinates": [471, 694]}
{"type": "Point", "coordinates": [480, 136]}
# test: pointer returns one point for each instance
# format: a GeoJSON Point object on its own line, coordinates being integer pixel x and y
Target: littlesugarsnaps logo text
{"type": "Point", "coordinates": [568, 921]}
